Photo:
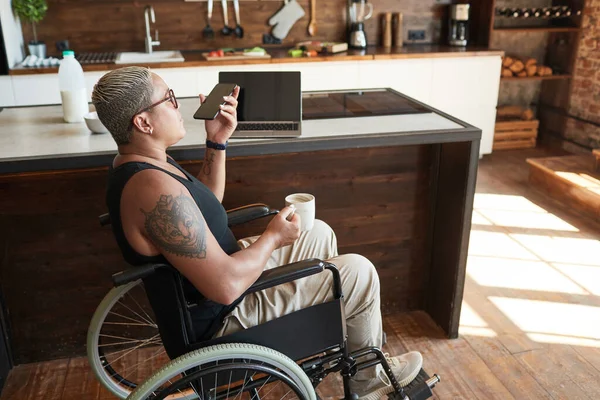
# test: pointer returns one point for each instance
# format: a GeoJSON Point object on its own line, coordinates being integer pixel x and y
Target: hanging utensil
{"type": "Point", "coordinates": [226, 31]}
{"type": "Point", "coordinates": [312, 26]}
{"type": "Point", "coordinates": [238, 31]}
{"type": "Point", "coordinates": [208, 32]}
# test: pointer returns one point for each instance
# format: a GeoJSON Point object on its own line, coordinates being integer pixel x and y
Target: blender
{"type": "Point", "coordinates": [357, 37]}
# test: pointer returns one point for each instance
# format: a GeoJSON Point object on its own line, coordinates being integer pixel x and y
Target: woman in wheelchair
{"type": "Point", "coordinates": [161, 213]}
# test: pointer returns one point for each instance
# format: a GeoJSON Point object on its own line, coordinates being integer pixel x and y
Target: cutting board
{"type": "Point", "coordinates": [235, 56]}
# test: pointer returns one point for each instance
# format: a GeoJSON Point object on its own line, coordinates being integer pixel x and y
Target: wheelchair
{"type": "Point", "coordinates": [141, 342]}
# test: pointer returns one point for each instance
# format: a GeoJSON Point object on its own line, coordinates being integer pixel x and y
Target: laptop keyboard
{"type": "Point", "coordinates": [291, 126]}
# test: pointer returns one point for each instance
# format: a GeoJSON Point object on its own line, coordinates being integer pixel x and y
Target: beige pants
{"type": "Point", "coordinates": [360, 285]}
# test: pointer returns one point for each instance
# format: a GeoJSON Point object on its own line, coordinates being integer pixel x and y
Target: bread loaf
{"type": "Point", "coordinates": [530, 61]}
{"type": "Point", "coordinates": [517, 66]}
{"type": "Point", "coordinates": [531, 69]}
{"type": "Point", "coordinates": [543, 70]}
{"type": "Point", "coordinates": [506, 72]}
{"type": "Point", "coordinates": [522, 74]}
{"type": "Point", "coordinates": [507, 61]}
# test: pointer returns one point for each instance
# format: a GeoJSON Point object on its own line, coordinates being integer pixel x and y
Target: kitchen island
{"type": "Point", "coordinates": [462, 82]}
{"type": "Point", "coordinates": [397, 189]}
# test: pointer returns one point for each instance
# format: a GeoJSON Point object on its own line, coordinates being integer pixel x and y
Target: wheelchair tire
{"type": "Point", "coordinates": [230, 351]}
{"type": "Point", "coordinates": [110, 378]}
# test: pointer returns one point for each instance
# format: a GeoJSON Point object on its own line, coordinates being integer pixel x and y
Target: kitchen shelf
{"type": "Point", "coordinates": [535, 78]}
{"type": "Point", "coordinates": [538, 29]}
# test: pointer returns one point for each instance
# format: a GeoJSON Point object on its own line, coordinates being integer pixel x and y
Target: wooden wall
{"type": "Point", "coordinates": [111, 25]}
{"type": "Point", "coordinates": [57, 261]}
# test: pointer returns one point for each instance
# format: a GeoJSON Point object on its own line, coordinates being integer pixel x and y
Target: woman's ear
{"type": "Point", "coordinates": [142, 124]}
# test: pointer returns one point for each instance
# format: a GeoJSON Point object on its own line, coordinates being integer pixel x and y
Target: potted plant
{"type": "Point", "coordinates": [32, 11]}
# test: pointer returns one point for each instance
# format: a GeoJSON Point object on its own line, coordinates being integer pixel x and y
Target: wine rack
{"type": "Point", "coordinates": [547, 31]}
{"type": "Point", "coordinates": [554, 12]}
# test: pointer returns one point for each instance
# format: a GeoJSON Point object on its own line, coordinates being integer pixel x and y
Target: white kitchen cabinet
{"type": "Point", "coordinates": [464, 87]}
{"type": "Point", "coordinates": [324, 75]}
{"type": "Point", "coordinates": [183, 81]}
{"type": "Point", "coordinates": [39, 89]}
{"type": "Point", "coordinates": [91, 78]}
{"type": "Point", "coordinates": [208, 77]}
{"type": "Point", "coordinates": [7, 97]}
{"type": "Point", "coordinates": [44, 88]}
{"type": "Point", "coordinates": [467, 88]}
{"type": "Point", "coordinates": [411, 77]}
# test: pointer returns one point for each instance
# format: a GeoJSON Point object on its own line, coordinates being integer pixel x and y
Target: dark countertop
{"type": "Point", "coordinates": [280, 55]}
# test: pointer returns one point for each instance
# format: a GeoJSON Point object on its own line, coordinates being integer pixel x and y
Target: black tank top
{"type": "Point", "coordinates": [207, 312]}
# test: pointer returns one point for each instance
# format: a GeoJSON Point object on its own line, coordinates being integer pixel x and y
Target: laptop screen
{"type": "Point", "coordinates": [267, 95]}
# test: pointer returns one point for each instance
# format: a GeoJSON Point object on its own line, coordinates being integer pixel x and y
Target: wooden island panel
{"type": "Point", "coordinates": [57, 260]}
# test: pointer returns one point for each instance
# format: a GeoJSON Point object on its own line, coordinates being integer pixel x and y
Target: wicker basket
{"type": "Point", "coordinates": [515, 134]}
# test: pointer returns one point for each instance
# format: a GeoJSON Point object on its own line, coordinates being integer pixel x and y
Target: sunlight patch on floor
{"type": "Point", "coordinates": [472, 324]}
{"type": "Point", "coordinates": [551, 318]}
{"type": "Point", "coordinates": [491, 201]}
{"type": "Point", "coordinates": [478, 219]}
{"type": "Point", "coordinates": [517, 211]}
{"type": "Point", "coordinates": [520, 274]}
{"type": "Point", "coordinates": [587, 277]}
{"type": "Point", "coordinates": [516, 270]}
{"type": "Point", "coordinates": [562, 250]}
{"type": "Point", "coordinates": [570, 340]}
{"type": "Point", "coordinates": [497, 244]}
{"type": "Point", "coordinates": [526, 219]}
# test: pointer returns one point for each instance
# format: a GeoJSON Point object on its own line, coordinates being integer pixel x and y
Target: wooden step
{"type": "Point", "coordinates": [572, 180]}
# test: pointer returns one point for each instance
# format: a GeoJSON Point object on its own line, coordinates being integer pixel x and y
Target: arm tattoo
{"type": "Point", "coordinates": [207, 167]}
{"type": "Point", "coordinates": [176, 225]}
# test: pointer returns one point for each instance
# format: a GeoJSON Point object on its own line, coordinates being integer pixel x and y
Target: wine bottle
{"type": "Point", "coordinates": [519, 13]}
{"type": "Point", "coordinates": [524, 13]}
{"type": "Point", "coordinates": [556, 13]}
{"type": "Point", "coordinates": [566, 11]}
{"type": "Point", "coordinates": [502, 12]}
{"type": "Point", "coordinates": [546, 12]}
{"type": "Point", "coordinates": [536, 13]}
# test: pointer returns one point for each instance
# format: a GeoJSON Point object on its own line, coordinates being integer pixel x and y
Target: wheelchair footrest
{"type": "Point", "coordinates": [419, 388]}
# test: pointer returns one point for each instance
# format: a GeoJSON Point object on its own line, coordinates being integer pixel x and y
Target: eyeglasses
{"type": "Point", "coordinates": [170, 97]}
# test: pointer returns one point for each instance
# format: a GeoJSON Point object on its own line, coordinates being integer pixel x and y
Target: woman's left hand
{"type": "Point", "coordinates": [219, 130]}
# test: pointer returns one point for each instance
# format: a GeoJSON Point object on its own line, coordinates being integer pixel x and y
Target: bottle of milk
{"type": "Point", "coordinates": [72, 88]}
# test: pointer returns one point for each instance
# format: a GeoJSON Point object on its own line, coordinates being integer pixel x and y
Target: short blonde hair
{"type": "Point", "coordinates": [118, 96]}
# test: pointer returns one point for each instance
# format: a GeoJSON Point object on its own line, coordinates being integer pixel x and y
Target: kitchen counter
{"type": "Point", "coordinates": [36, 138]}
{"type": "Point", "coordinates": [396, 189]}
{"type": "Point", "coordinates": [280, 55]}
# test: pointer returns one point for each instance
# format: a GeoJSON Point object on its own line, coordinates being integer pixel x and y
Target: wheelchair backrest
{"type": "Point", "coordinates": [164, 290]}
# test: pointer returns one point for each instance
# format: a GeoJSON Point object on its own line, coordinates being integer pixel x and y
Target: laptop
{"type": "Point", "coordinates": [269, 103]}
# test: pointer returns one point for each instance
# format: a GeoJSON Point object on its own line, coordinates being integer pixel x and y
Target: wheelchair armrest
{"type": "Point", "coordinates": [248, 213]}
{"type": "Point", "coordinates": [135, 273]}
{"type": "Point", "coordinates": [235, 216]}
{"type": "Point", "coordinates": [291, 272]}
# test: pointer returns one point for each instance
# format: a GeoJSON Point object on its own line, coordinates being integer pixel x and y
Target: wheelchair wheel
{"type": "Point", "coordinates": [227, 371]}
{"type": "Point", "coordinates": [123, 343]}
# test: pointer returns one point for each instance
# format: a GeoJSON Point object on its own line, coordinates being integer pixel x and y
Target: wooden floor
{"type": "Point", "coordinates": [530, 324]}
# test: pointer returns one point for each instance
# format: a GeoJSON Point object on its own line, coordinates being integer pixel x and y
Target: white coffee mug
{"type": "Point", "coordinates": [305, 208]}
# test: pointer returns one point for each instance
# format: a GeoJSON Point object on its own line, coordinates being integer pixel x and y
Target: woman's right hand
{"type": "Point", "coordinates": [285, 232]}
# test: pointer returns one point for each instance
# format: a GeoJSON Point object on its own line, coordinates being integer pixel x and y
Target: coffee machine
{"type": "Point", "coordinates": [459, 25]}
{"type": "Point", "coordinates": [357, 38]}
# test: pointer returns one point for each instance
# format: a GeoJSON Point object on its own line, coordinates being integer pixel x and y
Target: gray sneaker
{"type": "Point", "coordinates": [405, 367]}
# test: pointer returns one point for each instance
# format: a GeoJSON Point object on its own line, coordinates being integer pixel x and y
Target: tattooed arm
{"type": "Point", "coordinates": [212, 173]}
{"type": "Point", "coordinates": [160, 217]}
